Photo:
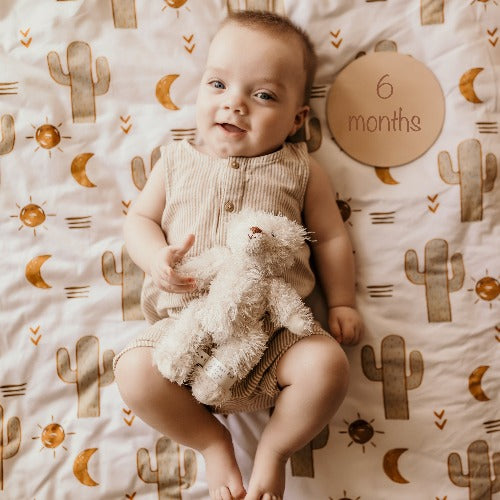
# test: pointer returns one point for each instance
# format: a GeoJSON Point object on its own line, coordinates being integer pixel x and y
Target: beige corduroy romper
{"type": "Point", "coordinates": [201, 194]}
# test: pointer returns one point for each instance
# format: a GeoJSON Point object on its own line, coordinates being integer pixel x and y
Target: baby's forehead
{"type": "Point", "coordinates": [260, 45]}
{"type": "Point", "coordinates": [232, 30]}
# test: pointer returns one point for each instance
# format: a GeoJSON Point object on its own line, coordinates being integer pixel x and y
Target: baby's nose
{"type": "Point", "coordinates": [255, 229]}
{"type": "Point", "coordinates": [236, 103]}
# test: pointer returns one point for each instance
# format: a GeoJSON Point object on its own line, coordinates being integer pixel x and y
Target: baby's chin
{"type": "Point", "coordinates": [225, 150]}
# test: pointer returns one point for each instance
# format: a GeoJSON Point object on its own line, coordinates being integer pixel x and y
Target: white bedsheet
{"type": "Point", "coordinates": [69, 167]}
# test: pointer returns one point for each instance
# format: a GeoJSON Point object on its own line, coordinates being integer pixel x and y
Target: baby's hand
{"type": "Point", "coordinates": [345, 324]}
{"type": "Point", "coordinates": [162, 268]}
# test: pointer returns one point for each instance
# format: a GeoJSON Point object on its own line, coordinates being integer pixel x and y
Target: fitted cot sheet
{"type": "Point", "coordinates": [88, 92]}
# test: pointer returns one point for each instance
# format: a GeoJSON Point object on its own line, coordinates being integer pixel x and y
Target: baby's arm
{"type": "Point", "coordinates": [332, 252]}
{"type": "Point", "coordinates": [145, 240]}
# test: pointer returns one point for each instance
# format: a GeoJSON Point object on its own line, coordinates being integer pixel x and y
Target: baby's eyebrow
{"type": "Point", "coordinates": [213, 69]}
{"type": "Point", "coordinates": [274, 81]}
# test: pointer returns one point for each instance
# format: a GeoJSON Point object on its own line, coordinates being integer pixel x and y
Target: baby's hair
{"type": "Point", "coordinates": [279, 25]}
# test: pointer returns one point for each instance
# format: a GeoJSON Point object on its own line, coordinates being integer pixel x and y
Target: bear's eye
{"type": "Point", "coordinates": [273, 235]}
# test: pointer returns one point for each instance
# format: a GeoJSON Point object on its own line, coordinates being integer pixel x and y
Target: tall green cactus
{"type": "Point", "coordinates": [435, 277]}
{"type": "Point", "coordinates": [79, 78]}
{"type": "Point", "coordinates": [302, 461]}
{"type": "Point", "coordinates": [87, 376]}
{"type": "Point", "coordinates": [9, 449]}
{"type": "Point", "coordinates": [130, 279]}
{"type": "Point", "coordinates": [139, 175]}
{"type": "Point", "coordinates": [470, 177]}
{"type": "Point", "coordinates": [167, 474]}
{"type": "Point", "coordinates": [392, 374]}
{"type": "Point", "coordinates": [7, 133]}
{"type": "Point", "coordinates": [478, 480]}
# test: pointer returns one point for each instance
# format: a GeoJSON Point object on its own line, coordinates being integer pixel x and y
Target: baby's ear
{"type": "Point", "coordinates": [300, 119]}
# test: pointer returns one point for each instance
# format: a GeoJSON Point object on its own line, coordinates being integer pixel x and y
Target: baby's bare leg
{"type": "Point", "coordinates": [172, 410]}
{"type": "Point", "coordinates": [314, 376]}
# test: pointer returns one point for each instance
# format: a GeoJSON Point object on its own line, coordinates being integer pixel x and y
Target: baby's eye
{"type": "Point", "coordinates": [265, 96]}
{"type": "Point", "coordinates": [217, 84]}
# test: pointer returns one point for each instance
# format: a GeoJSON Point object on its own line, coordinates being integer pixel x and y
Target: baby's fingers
{"type": "Point", "coordinates": [180, 251]}
{"type": "Point", "coordinates": [335, 329]}
{"type": "Point", "coordinates": [350, 332]}
{"type": "Point", "coordinates": [177, 279]}
{"type": "Point", "coordinates": [170, 281]}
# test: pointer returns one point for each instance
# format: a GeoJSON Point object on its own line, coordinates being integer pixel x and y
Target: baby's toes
{"type": "Point", "coordinates": [221, 493]}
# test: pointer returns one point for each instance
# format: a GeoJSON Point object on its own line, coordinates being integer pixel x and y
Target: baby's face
{"type": "Point", "coordinates": [251, 94]}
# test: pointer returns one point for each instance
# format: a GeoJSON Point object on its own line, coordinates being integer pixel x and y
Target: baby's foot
{"type": "Point", "coordinates": [268, 477]}
{"type": "Point", "coordinates": [223, 474]}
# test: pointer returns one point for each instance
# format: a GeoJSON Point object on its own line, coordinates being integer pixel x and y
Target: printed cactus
{"type": "Point", "coordinates": [276, 6]}
{"type": "Point", "coordinates": [470, 177]}
{"type": "Point", "coordinates": [392, 374]}
{"type": "Point", "coordinates": [7, 134]}
{"type": "Point", "coordinates": [130, 279]}
{"type": "Point", "coordinates": [11, 447]}
{"type": "Point", "coordinates": [435, 277]}
{"type": "Point", "coordinates": [87, 375]}
{"type": "Point", "coordinates": [431, 12]}
{"type": "Point", "coordinates": [302, 461]}
{"type": "Point", "coordinates": [79, 78]}
{"type": "Point", "coordinates": [478, 480]}
{"type": "Point", "coordinates": [167, 475]}
{"type": "Point", "coordinates": [139, 175]}
{"type": "Point", "coordinates": [124, 14]}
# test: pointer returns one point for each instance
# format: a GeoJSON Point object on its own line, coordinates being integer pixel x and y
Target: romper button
{"type": "Point", "coordinates": [235, 164]}
{"type": "Point", "coordinates": [229, 206]}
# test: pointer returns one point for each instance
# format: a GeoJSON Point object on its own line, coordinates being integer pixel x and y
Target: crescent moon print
{"type": "Point", "coordinates": [390, 464]}
{"type": "Point", "coordinates": [33, 271]}
{"type": "Point", "coordinates": [80, 467]}
{"type": "Point", "coordinates": [163, 92]}
{"type": "Point", "coordinates": [467, 85]}
{"type": "Point", "coordinates": [78, 169]}
{"type": "Point", "coordinates": [384, 174]}
{"type": "Point", "coordinates": [475, 379]}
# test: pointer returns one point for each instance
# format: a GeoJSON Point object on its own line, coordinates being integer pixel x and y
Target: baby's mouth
{"type": "Point", "coordinates": [232, 129]}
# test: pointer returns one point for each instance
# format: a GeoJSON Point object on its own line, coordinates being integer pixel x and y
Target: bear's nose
{"type": "Point", "coordinates": [255, 229]}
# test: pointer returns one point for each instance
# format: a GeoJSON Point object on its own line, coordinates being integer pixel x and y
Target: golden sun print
{"type": "Point", "coordinates": [361, 432]}
{"type": "Point", "coordinates": [32, 215]}
{"type": "Point", "coordinates": [487, 289]}
{"type": "Point", "coordinates": [484, 2]}
{"type": "Point", "coordinates": [52, 436]}
{"type": "Point", "coordinates": [175, 4]}
{"type": "Point", "coordinates": [48, 136]}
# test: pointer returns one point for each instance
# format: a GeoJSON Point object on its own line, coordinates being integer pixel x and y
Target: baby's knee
{"type": "Point", "coordinates": [318, 360]}
{"type": "Point", "coordinates": [329, 362]}
{"type": "Point", "coordinates": [133, 375]}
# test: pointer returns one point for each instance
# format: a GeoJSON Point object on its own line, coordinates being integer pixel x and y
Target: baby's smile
{"type": "Point", "coordinates": [231, 129]}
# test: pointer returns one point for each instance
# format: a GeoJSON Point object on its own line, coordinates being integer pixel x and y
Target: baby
{"type": "Point", "coordinates": [253, 95]}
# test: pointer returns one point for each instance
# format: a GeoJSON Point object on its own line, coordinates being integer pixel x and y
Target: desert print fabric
{"type": "Point", "coordinates": [89, 90]}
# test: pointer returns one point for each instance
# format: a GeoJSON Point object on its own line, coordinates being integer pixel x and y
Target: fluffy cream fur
{"type": "Point", "coordinates": [218, 338]}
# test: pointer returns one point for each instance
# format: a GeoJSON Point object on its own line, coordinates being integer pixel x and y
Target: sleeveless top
{"type": "Point", "coordinates": [203, 191]}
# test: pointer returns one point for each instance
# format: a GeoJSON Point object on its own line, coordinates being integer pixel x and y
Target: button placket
{"type": "Point", "coordinates": [234, 187]}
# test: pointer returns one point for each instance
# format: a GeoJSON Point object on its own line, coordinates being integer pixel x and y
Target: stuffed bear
{"type": "Point", "coordinates": [219, 337]}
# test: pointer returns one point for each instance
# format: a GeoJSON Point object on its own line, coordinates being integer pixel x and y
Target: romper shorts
{"type": "Point", "coordinates": [260, 388]}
